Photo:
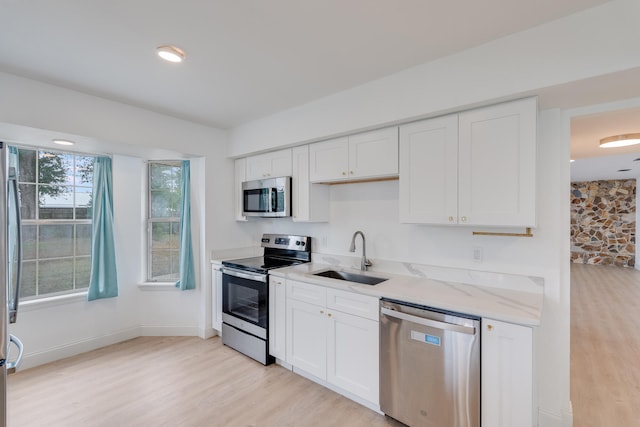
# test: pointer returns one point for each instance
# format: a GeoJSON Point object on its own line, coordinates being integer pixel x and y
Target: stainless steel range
{"type": "Point", "coordinates": [245, 293]}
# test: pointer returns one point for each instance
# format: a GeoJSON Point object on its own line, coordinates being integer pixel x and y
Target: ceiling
{"type": "Point", "coordinates": [245, 59]}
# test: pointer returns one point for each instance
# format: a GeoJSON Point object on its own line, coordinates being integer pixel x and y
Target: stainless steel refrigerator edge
{"type": "Point", "coordinates": [10, 267]}
{"type": "Point", "coordinates": [429, 366]}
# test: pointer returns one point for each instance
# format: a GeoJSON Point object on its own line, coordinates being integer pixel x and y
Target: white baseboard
{"type": "Point", "coordinates": [357, 399]}
{"type": "Point", "coordinates": [52, 354]}
{"type": "Point", "coordinates": [206, 333]}
{"type": "Point", "coordinates": [170, 331]}
{"type": "Point", "coordinates": [553, 419]}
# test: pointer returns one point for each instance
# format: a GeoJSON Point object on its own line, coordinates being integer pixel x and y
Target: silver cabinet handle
{"type": "Point", "coordinates": [428, 322]}
{"type": "Point", "coordinates": [11, 366]}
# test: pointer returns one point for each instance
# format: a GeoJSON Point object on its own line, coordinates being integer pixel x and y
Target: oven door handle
{"type": "Point", "coordinates": [245, 275]}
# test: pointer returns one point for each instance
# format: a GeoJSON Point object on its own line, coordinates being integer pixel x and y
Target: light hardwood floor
{"type": "Point", "coordinates": [174, 381]}
{"type": "Point", "coordinates": [185, 381]}
{"type": "Point", "coordinates": [605, 346]}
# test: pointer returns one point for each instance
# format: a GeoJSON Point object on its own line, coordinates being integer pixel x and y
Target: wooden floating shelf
{"type": "Point", "coordinates": [527, 233]}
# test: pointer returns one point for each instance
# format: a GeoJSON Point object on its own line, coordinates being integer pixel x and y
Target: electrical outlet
{"type": "Point", "coordinates": [477, 254]}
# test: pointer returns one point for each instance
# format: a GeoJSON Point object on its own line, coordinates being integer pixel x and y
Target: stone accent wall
{"type": "Point", "coordinates": [603, 222]}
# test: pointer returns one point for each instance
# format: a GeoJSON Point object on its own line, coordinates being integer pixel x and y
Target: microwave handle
{"type": "Point", "coordinates": [273, 198]}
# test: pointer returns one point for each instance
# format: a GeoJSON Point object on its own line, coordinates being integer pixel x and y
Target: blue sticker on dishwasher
{"type": "Point", "coordinates": [429, 339]}
{"type": "Point", "coordinates": [432, 339]}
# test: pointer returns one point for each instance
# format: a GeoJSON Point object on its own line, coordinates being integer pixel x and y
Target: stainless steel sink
{"type": "Point", "coordinates": [351, 277]}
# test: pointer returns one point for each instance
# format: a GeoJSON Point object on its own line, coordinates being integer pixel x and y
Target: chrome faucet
{"type": "Point", "coordinates": [364, 263]}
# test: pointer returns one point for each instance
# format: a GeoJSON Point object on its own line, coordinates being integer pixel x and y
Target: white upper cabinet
{"type": "Point", "coordinates": [497, 158]}
{"type": "Point", "coordinates": [329, 160]}
{"type": "Point", "coordinates": [269, 165]}
{"type": "Point", "coordinates": [240, 177]}
{"type": "Point", "coordinates": [429, 171]}
{"type": "Point", "coordinates": [310, 202]}
{"type": "Point", "coordinates": [473, 168]}
{"type": "Point", "coordinates": [374, 154]}
{"type": "Point", "coordinates": [364, 156]}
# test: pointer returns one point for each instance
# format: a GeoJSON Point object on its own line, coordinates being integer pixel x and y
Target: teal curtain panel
{"type": "Point", "coordinates": [104, 279]}
{"type": "Point", "coordinates": [187, 270]}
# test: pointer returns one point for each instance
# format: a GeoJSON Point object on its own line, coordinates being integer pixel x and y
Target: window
{"type": "Point", "coordinates": [56, 199]}
{"type": "Point", "coordinates": [163, 225]}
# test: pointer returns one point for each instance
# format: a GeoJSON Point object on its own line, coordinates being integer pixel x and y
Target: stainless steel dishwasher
{"type": "Point", "coordinates": [429, 365]}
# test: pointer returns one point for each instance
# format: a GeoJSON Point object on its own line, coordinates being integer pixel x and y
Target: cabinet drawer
{"type": "Point", "coordinates": [352, 303]}
{"type": "Point", "coordinates": [313, 294]}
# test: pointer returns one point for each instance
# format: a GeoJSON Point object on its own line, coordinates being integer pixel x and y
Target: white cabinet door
{"type": "Point", "coordinates": [329, 160]}
{"type": "Point", "coordinates": [310, 202]}
{"type": "Point", "coordinates": [307, 337]}
{"type": "Point", "coordinates": [374, 154]}
{"type": "Point", "coordinates": [277, 318]}
{"type": "Point", "coordinates": [497, 152]}
{"type": "Point", "coordinates": [352, 351]}
{"type": "Point", "coordinates": [240, 177]}
{"type": "Point", "coordinates": [429, 171]}
{"type": "Point", "coordinates": [269, 165]}
{"type": "Point", "coordinates": [216, 297]}
{"type": "Point", "coordinates": [507, 378]}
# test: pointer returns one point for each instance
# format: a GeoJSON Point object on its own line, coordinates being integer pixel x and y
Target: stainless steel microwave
{"type": "Point", "coordinates": [269, 197]}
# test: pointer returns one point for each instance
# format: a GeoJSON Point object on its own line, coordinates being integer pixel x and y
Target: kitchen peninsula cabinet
{"type": "Point", "coordinates": [472, 168]}
{"type": "Point", "coordinates": [364, 156]}
{"type": "Point", "coordinates": [507, 378]}
{"type": "Point", "coordinates": [216, 296]}
{"type": "Point", "coordinates": [269, 165]}
{"type": "Point", "coordinates": [277, 317]}
{"type": "Point", "coordinates": [310, 202]}
{"type": "Point", "coordinates": [333, 336]}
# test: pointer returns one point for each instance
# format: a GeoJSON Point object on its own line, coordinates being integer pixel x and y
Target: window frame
{"type": "Point", "coordinates": [37, 223]}
{"type": "Point", "coordinates": [155, 220]}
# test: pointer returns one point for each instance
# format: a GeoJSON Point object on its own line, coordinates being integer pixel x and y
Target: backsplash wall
{"type": "Point", "coordinates": [603, 222]}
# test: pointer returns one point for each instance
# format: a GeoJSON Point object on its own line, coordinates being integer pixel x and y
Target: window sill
{"type": "Point", "coordinates": [53, 301]}
{"type": "Point", "coordinates": [158, 286]}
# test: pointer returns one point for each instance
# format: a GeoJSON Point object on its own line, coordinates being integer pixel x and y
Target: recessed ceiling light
{"type": "Point", "coordinates": [170, 53]}
{"type": "Point", "coordinates": [63, 142]}
{"type": "Point", "coordinates": [620, 140]}
{"type": "Point", "coordinates": [571, 160]}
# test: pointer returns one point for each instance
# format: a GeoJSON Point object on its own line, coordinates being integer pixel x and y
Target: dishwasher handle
{"type": "Point", "coordinates": [469, 330]}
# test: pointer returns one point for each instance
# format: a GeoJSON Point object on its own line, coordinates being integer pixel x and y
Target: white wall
{"type": "Point", "coordinates": [32, 112]}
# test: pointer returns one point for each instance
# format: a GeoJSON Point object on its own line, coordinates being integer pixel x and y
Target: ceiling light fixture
{"type": "Point", "coordinates": [620, 140]}
{"type": "Point", "coordinates": [63, 142]}
{"type": "Point", "coordinates": [571, 160]}
{"type": "Point", "coordinates": [170, 53]}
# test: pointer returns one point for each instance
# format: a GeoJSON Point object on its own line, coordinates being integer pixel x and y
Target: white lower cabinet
{"type": "Point", "coordinates": [333, 345]}
{"type": "Point", "coordinates": [352, 355]}
{"type": "Point", "coordinates": [507, 374]}
{"type": "Point", "coordinates": [307, 337]}
{"type": "Point", "coordinates": [277, 317]}
{"type": "Point", "coordinates": [216, 297]}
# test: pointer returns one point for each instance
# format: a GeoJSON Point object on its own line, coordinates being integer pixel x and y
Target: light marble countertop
{"type": "Point", "coordinates": [500, 298]}
{"type": "Point", "coordinates": [507, 297]}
